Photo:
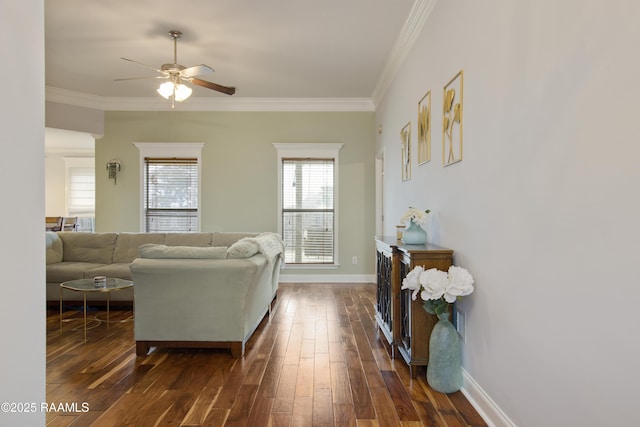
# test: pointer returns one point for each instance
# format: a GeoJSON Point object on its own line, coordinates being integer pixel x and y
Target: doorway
{"type": "Point", "coordinates": [380, 194]}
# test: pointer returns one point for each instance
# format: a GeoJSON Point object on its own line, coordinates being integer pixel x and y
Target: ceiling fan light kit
{"type": "Point", "coordinates": [179, 91]}
{"type": "Point", "coordinates": [178, 75]}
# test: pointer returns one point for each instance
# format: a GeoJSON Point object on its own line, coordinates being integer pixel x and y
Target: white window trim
{"type": "Point", "coordinates": [169, 150]}
{"type": "Point", "coordinates": [311, 150]}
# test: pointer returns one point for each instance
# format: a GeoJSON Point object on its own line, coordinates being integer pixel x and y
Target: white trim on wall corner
{"type": "Point", "coordinates": [327, 278]}
{"type": "Point", "coordinates": [403, 45]}
{"type": "Point", "coordinates": [105, 103]}
{"type": "Point", "coordinates": [480, 400]}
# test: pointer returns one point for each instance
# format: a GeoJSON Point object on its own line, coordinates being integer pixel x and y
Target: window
{"type": "Point", "coordinates": [307, 188]}
{"type": "Point", "coordinates": [170, 195]}
{"type": "Point", "coordinates": [80, 191]}
{"type": "Point", "coordinates": [170, 187]}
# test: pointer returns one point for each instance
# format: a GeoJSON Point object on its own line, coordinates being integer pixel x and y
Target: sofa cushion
{"type": "Point", "coordinates": [188, 239]}
{"type": "Point", "coordinates": [54, 247]}
{"type": "Point", "coordinates": [121, 270]}
{"type": "Point", "coordinates": [243, 248]}
{"type": "Point", "coordinates": [65, 271]}
{"type": "Point", "coordinates": [126, 249]}
{"type": "Point", "coordinates": [88, 247]}
{"type": "Point", "coordinates": [180, 252]}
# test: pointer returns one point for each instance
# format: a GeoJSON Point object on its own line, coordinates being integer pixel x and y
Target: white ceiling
{"type": "Point", "coordinates": [275, 49]}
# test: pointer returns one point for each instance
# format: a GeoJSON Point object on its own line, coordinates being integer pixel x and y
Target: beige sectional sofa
{"type": "Point", "coordinates": [73, 255]}
{"type": "Point", "coordinates": [191, 289]}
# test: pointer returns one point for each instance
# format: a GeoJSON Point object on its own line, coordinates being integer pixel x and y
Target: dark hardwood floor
{"type": "Point", "coordinates": [316, 362]}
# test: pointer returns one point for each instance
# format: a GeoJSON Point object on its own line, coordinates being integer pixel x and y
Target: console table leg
{"type": "Point", "coordinates": [413, 371]}
{"type": "Point", "coordinates": [61, 311]}
{"type": "Point", "coordinates": [84, 294]}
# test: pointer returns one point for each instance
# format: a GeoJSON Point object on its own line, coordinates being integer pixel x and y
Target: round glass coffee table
{"type": "Point", "coordinates": [87, 285]}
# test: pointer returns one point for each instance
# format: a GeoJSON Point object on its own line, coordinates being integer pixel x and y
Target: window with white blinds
{"type": "Point", "coordinates": [170, 194]}
{"type": "Point", "coordinates": [308, 203]}
{"type": "Point", "coordinates": [308, 210]}
{"type": "Point", "coordinates": [81, 191]}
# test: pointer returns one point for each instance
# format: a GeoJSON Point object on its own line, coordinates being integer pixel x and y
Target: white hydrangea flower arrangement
{"type": "Point", "coordinates": [416, 215]}
{"type": "Point", "coordinates": [437, 288]}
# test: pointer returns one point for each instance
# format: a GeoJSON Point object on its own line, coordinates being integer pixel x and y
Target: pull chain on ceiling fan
{"type": "Point", "coordinates": [178, 74]}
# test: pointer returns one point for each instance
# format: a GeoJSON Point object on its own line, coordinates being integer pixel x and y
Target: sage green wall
{"type": "Point", "coordinates": [239, 170]}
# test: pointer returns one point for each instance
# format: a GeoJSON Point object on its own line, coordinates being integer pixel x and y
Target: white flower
{"type": "Point", "coordinates": [434, 283]}
{"type": "Point", "coordinates": [437, 287]}
{"type": "Point", "coordinates": [412, 281]}
{"type": "Point", "coordinates": [460, 284]}
{"type": "Point", "coordinates": [415, 215]}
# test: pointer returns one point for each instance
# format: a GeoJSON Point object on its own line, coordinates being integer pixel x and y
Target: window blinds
{"type": "Point", "coordinates": [171, 194]}
{"type": "Point", "coordinates": [308, 210]}
{"type": "Point", "coordinates": [82, 191]}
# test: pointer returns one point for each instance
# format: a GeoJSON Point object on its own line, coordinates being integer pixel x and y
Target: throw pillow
{"type": "Point", "coordinates": [243, 248]}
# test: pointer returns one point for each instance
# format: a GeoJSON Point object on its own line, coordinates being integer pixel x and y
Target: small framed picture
{"type": "Point", "coordinates": [424, 129]}
{"type": "Point", "coordinates": [405, 133]}
{"type": "Point", "coordinates": [452, 121]}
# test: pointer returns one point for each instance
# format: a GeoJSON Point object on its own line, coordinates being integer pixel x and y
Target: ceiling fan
{"type": "Point", "coordinates": [178, 75]}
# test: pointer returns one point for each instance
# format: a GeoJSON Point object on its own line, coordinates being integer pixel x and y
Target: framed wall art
{"type": "Point", "coordinates": [405, 134]}
{"type": "Point", "coordinates": [424, 129]}
{"type": "Point", "coordinates": [452, 121]}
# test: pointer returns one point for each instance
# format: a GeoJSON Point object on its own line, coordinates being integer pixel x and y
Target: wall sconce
{"type": "Point", "coordinates": [113, 166]}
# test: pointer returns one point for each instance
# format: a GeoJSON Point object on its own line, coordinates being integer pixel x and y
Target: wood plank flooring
{"type": "Point", "coordinates": [317, 361]}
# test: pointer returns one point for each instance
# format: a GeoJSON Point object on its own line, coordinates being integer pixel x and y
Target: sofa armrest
{"type": "Point", "coordinates": [53, 245]}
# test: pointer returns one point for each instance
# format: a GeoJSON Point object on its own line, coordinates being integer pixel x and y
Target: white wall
{"type": "Point", "coordinates": [543, 210]}
{"type": "Point", "coordinates": [74, 118]}
{"type": "Point", "coordinates": [54, 186]}
{"type": "Point", "coordinates": [22, 315]}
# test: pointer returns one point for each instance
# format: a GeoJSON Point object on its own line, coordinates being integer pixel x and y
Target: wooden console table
{"type": "Point", "coordinates": [403, 322]}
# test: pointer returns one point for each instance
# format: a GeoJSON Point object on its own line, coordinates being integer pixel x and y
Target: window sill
{"type": "Point", "coordinates": [311, 266]}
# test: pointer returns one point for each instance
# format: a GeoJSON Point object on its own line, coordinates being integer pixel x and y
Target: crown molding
{"type": "Point", "coordinates": [79, 99]}
{"type": "Point", "coordinates": [404, 43]}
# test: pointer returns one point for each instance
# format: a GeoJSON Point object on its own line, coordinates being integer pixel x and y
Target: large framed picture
{"type": "Point", "coordinates": [424, 129]}
{"type": "Point", "coordinates": [405, 134]}
{"type": "Point", "coordinates": [452, 121]}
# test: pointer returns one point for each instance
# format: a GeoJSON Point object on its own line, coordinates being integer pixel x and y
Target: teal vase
{"type": "Point", "coordinates": [414, 234]}
{"type": "Point", "coordinates": [444, 371]}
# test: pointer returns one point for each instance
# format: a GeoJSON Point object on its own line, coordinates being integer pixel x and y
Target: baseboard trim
{"type": "Point", "coordinates": [327, 278]}
{"type": "Point", "coordinates": [480, 400]}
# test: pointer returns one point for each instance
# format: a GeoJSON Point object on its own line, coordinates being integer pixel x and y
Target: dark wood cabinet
{"type": "Point", "coordinates": [403, 322]}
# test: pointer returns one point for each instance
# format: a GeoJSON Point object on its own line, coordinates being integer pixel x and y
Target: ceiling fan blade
{"type": "Point", "coordinates": [196, 70]}
{"type": "Point", "coordinates": [224, 89]}
{"type": "Point", "coordinates": [141, 78]}
{"type": "Point", "coordinates": [144, 65]}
